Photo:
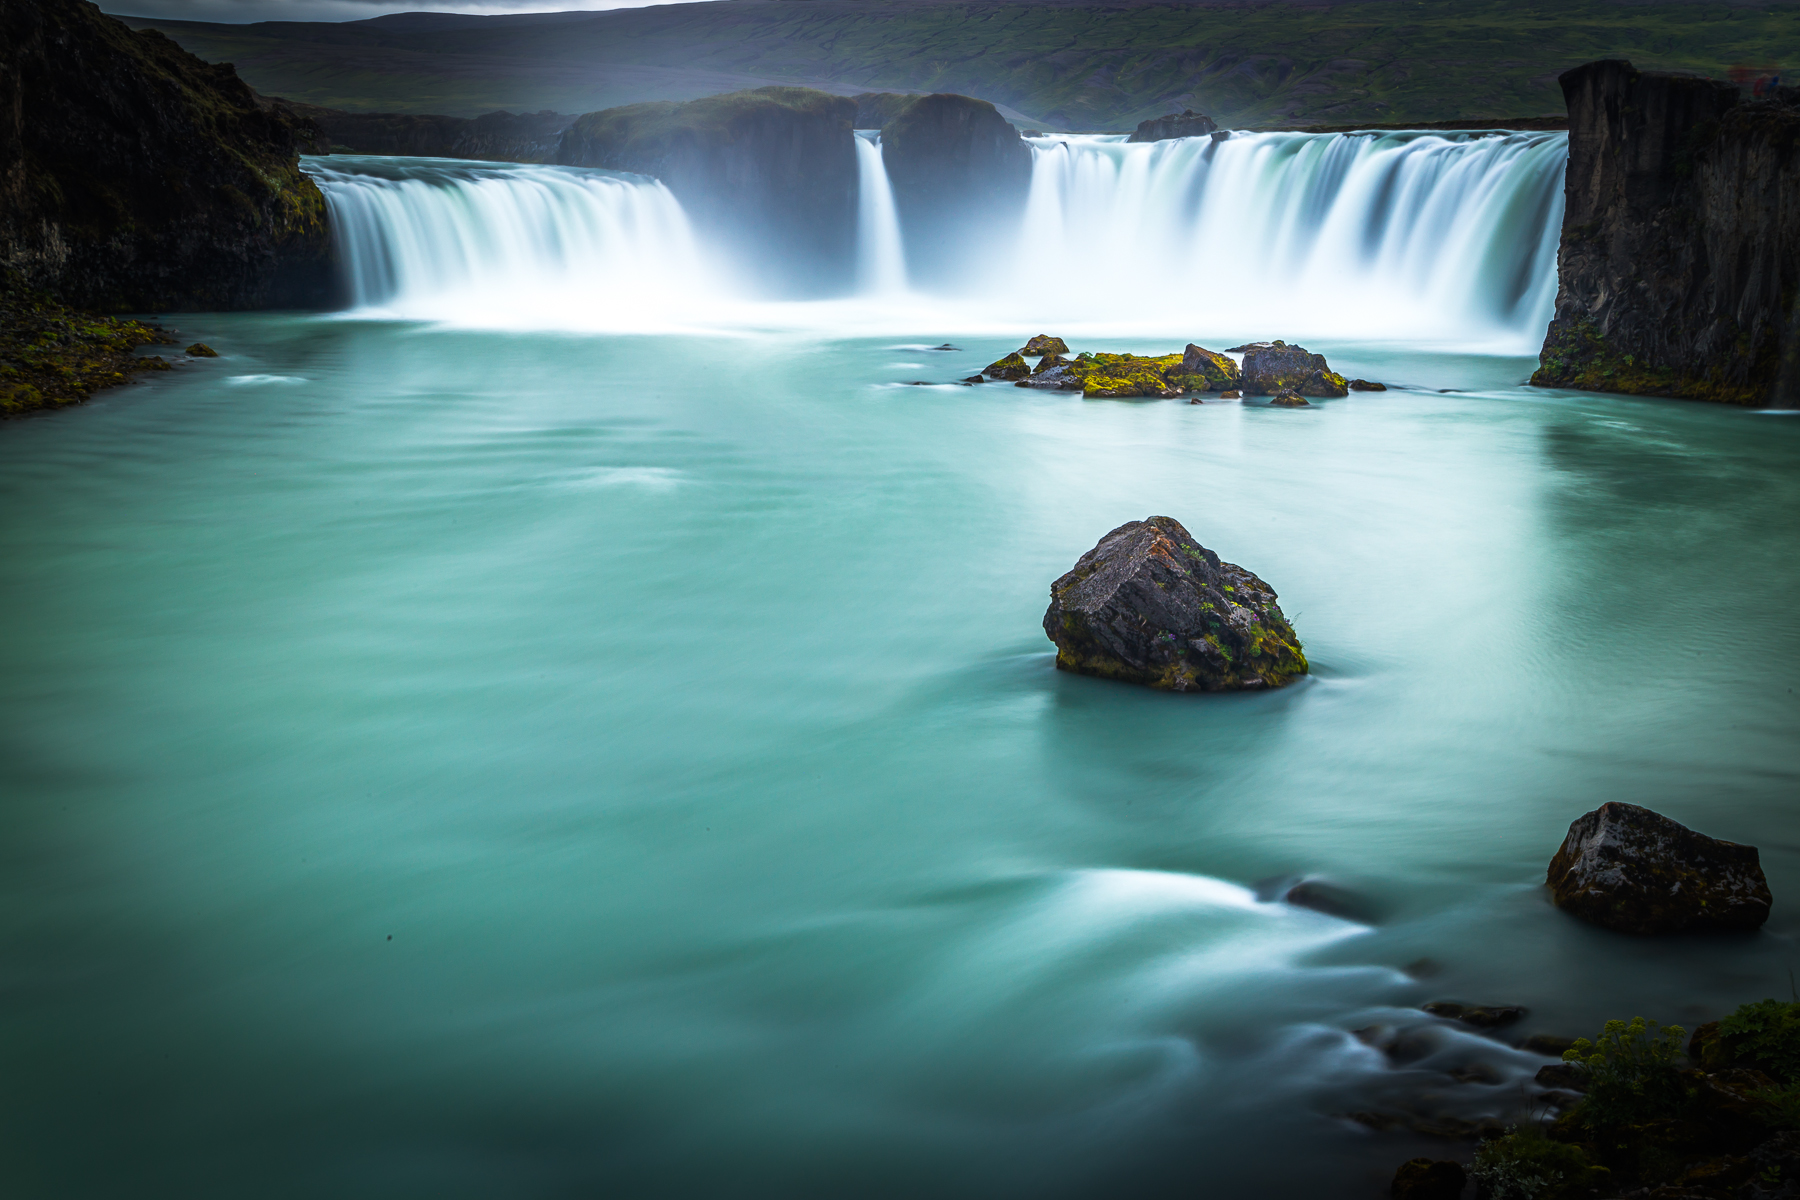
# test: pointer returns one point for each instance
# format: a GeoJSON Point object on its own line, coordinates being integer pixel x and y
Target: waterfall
{"type": "Point", "coordinates": [442, 239]}
{"type": "Point", "coordinates": [880, 257]}
{"type": "Point", "coordinates": [1393, 237]}
{"type": "Point", "coordinates": [1397, 236]}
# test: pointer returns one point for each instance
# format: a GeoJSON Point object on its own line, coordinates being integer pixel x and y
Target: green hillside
{"type": "Point", "coordinates": [1069, 66]}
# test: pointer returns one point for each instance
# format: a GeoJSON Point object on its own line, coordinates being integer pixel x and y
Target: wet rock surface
{"type": "Point", "coordinates": [1632, 870]}
{"type": "Point", "coordinates": [1150, 605]}
{"type": "Point", "coordinates": [1287, 399]}
{"type": "Point", "coordinates": [1367, 385]}
{"type": "Point", "coordinates": [1043, 343]}
{"type": "Point", "coordinates": [1013, 366]}
{"type": "Point", "coordinates": [1477, 1016]}
{"type": "Point", "coordinates": [1276, 367]}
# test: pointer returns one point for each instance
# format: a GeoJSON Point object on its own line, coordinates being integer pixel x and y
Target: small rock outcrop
{"type": "Point", "coordinates": [1424, 1179]}
{"type": "Point", "coordinates": [1186, 123]}
{"type": "Point", "coordinates": [1629, 869]}
{"type": "Point", "coordinates": [1043, 343]}
{"type": "Point", "coordinates": [1287, 399]}
{"type": "Point", "coordinates": [1367, 385]}
{"type": "Point", "coordinates": [134, 176]}
{"type": "Point", "coordinates": [960, 175]}
{"type": "Point", "coordinates": [1219, 372]}
{"type": "Point", "coordinates": [1278, 367]}
{"type": "Point", "coordinates": [1680, 257]}
{"type": "Point", "coordinates": [1150, 605]}
{"type": "Point", "coordinates": [768, 175]}
{"type": "Point", "coordinates": [1013, 366]}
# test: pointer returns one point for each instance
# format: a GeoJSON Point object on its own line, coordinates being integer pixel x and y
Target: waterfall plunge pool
{"type": "Point", "coordinates": [676, 704]}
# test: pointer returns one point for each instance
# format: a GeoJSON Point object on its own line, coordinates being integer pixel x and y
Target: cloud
{"type": "Point", "coordinates": [243, 11]}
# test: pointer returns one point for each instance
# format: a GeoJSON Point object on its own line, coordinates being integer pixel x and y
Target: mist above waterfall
{"type": "Point", "coordinates": [1401, 237]}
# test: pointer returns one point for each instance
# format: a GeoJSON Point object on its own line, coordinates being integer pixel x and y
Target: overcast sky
{"type": "Point", "coordinates": [341, 10]}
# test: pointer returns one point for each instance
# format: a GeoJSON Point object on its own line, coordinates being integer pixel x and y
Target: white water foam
{"type": "Point", "coordinates": [1399, 238]}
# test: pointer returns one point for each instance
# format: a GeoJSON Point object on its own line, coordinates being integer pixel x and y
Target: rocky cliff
{"type": "Point", "coordinates": [134, 176]}
{"type": "Point", "coordinates": [960, 175]}
{"type": "Point", "coordinates": [1186, 123]}
{"type": "Point", "coordinates": [1679, 270]}
{"type": "Point", "coordinates": [768, 176]}
{"type": "Point", "coordinates": [491, 137]}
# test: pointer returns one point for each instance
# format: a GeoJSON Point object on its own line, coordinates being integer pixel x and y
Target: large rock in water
{"type": "Point", "coordinates": [135, 176]}
{"type": "Point", "coordinates": [1680, 253]}
{"type": "Point", "coordinates": [960, 175]}
{"type": "Point", "coordinates": [1279, 367]}
{"type": "Point", "coordinates": [1633, 870]}
{"type": "Point", "coordinates": [1151, 605]}
{"type": "Point", "coordinates": [768, 175]}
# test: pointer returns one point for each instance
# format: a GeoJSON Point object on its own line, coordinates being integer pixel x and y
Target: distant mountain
{"type": "Point", "coordinates": [1062, 64]}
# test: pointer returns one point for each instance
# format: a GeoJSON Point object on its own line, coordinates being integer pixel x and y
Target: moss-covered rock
{"type": "Point", "coordinates": [51, 355]}
{"type": "Point", "coordinates": [201, 350]}
{"type": "Point", "coordinates": [1287, 399]}
{"type": "Point", "coordinates": [1150, 605]}
{"type": "Point", "coordinates": [1279, 367]}
{"type": "Point", "coordinates": [1216, 370]}
{"type": "Point", "coordinates": [1043, 343]}
{"type": "Point", "coordinates": [1013, 366]}
{"type": "Point", "coordinates": [1632, 870]}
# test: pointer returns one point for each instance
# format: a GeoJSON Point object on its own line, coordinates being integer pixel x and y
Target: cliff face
{"type": "Point", "coordinates": [1186, 123]}
{"type": "Point", "coordinates": [135, 176]}
{"type": "Point", "coordinates": [1679, 269]}
{"type": "Point", "coordinates": [491, 137]}
{"type": "Point", "coordinates": [768, 176]}
{"type": "Point", "coordinates": [961, 176]}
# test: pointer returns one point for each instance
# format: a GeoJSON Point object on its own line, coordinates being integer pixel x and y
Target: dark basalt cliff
{"type": "Point", "coordinates": [769, 176]}
{"type": "Point", "coordinates": [960, 175]}
{"type": "Point", "coordinates": [134, 176]}
{"type": "Point", "coordinates": [491, 137]}
{"type": "Point", "coordinates": [1679, 269]}
{"type": "Point", "coordinates": [1186, 123]}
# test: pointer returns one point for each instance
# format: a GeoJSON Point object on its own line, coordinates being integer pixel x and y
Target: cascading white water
{"type": "Point", "coordinates": [447, 240]}
{"type": "Point", "coordinates": [880, 255]}
{"type": "Point", "coordinates": [1397, 236]}
{"type": "Point", "coordinates": [1394, 237]}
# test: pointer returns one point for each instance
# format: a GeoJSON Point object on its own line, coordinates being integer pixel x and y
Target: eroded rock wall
{"type": "Point", "coordinates": [768, 176]}
{"type": "Point", "coordinates": [961, 175]}
{"type": "Point", "coordinates": [134, 176]}
{"type": "Point", "coordinates": [1679, 269]}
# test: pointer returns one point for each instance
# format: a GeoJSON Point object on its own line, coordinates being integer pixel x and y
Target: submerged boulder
{"type": "Point", "coordinates": [1627, 868]}
{"type": "Point", "coordinates": [1278, 367]}
{"type": "Point", "coordinates": [1011, 367]}
{"type": "Point", "coordinates": [1043, 343]}
{"type": "Point", "coordinates": [1152, 606]}
{"type": "Point", "coordinates": [1288, 399]}
{"type": "Point", "coordinates": [1367, 385]}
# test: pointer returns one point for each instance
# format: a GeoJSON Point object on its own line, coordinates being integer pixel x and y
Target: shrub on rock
{"type": "Point", "coordinates": [1635, 871]}
{"type": "Point", "coordinates": [1150, 605]}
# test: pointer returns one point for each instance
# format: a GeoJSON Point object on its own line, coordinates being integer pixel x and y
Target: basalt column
{"type": "Point", "coordinates": [1679, 269]}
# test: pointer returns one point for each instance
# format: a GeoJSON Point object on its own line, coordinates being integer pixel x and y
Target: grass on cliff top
{"type": "Point", "coordinates": [1070, 66]}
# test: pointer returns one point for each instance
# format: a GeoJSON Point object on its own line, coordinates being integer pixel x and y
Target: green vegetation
{"type": "Point", "coordinates": [1649, 1121]}
{"type": "Point", "coordinates": [1065, 66]}
{"type": "Point", "coordinates": [51, 355]}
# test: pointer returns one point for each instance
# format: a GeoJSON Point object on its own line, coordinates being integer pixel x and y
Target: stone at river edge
{"type": "Point", "coordinates": [1280, 367]}
{"type": "Point", "coordinates": [1150, 605]}
{"type": "Point", "coordinates": [1635, 871]}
